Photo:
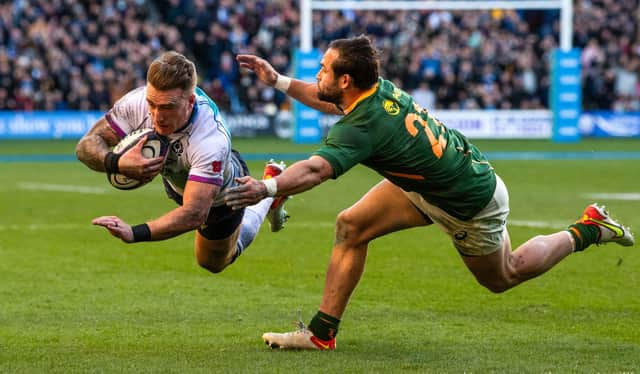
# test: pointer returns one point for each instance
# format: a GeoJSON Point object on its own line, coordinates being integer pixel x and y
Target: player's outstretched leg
{"type": "Point", "coordinates": [597, 227]}
{"type": "Point", "coordinates": [302, 338]}
{"type": "Point", "coordinates": [277, 216]}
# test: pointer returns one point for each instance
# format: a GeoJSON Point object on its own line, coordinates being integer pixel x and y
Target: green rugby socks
{"type": "Point", "coordinates": [324, 326]}
{"type": "Point", "coordinates": [584, 235]}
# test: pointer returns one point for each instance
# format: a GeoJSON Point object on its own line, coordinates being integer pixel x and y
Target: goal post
{"type": "Point", "coordinates": [308, 6]}
{"type": "Point", "coordinates": [565, 94]}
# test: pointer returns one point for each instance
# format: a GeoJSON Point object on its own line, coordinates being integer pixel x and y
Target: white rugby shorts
{"type": "Point", "coordinates": [481, 235]}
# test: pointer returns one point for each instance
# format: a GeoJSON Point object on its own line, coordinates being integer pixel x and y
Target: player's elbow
{"type": "Point", "coordinates": [80, 153]}
{"type": "Point", "coordinates": [314, 180]}
{"type": "Point", "coordinates": [194, 218]}
{"type": "Point", "coordinates": [318, 170]}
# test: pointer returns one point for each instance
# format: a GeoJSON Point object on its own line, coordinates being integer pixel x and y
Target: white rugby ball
{"type": "Point", "coordinates": [155, 146]}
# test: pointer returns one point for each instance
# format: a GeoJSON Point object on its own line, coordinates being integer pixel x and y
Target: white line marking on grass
{"type": "Point", "coordinates": [310, 225]}
{"type": "Point", "coordinates": [515, 222]}
{"type": "Point", "coordinates": [61, 188]}
{"type": "Point", "coordinates": [43, 226]}
{"type": "Point", "coordinates": [631, 196]}
{"type": "Point", "coordinates": [537, 224]}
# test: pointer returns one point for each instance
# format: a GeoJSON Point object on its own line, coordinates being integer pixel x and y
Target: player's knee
{"type": "Point", "coordinates": [496, 287]}
{"type": "Point", "coordinates": [212, 267]}
{"type": "Point", "coordinates": [496, 284]}
{"type": "Point", "coordinates": [212, 264]}
{"type": "Point", "coordinates": [348, 229]}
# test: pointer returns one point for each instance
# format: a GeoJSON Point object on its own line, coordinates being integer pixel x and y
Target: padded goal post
{"type": "Point", "coordinates": [565, 99]}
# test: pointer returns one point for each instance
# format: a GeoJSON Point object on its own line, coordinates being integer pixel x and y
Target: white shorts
{"type": "Point", "coordinates": [481, 235]}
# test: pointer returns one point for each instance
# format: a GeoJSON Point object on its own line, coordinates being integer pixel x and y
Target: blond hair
{"type": "Point", "coordinates": [172, 70]}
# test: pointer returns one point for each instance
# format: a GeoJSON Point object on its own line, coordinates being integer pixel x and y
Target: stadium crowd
{"type": "Point", "coordinates": [64, 54]}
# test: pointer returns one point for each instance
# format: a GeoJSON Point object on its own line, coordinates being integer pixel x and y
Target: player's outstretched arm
{"type": "Point", "coordinates": [304, 92]}
{"type": "Point", "coordinates": [299, 177]}
{"type": "Point", "coordinates": [196, 202]}
{"type": "Point", "coordinates": [189, 216]}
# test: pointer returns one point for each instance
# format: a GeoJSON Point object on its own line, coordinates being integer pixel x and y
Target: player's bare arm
{"type": "Point", "coordinates": [299, 177]}
{"type": "Point", "coordinates": [95, 144]}
{"type": "Point", "coordinates": [98, 141]}
{"type": "Point", "coordinates": [304, 92]}
{"type": "Point", "coordinates": [193, 212]}
{"type": "Point", "coordinates": [196, 203]}
{"type": "Point", "coordinates": [303, 176]}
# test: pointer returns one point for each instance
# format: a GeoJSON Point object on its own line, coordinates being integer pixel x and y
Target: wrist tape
{"type": "Point", "coordinates": [271, 185]}
{"type": "Point", "coordinates": [141, 233]}
{"type": "Point", "coordinates": [282, 83]}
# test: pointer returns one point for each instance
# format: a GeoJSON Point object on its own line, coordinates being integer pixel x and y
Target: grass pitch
{"type": "Point", "coordinates": [75, 299]}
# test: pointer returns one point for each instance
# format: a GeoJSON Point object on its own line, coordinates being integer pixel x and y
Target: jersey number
{"type": "Point", "coordinates": [437, 145]}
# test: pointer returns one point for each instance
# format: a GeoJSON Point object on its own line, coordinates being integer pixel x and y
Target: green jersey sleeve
{"type": "Point", "coordinates": [385, 130]}
{"type": "Point", "coordinates": [346, 146]}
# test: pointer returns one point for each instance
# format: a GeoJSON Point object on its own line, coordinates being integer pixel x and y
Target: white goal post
{"type": "Point", "coordinates": [308, 6]}
{"type": "Point", "coordinates": [565, 98]}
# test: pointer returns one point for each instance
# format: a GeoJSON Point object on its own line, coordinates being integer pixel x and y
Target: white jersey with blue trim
{"type": "Point", "coordinates": [200, 151]}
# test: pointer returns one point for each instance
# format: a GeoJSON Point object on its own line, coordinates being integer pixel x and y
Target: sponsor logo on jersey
{"type": "Point", "coordinates": [391, 107]}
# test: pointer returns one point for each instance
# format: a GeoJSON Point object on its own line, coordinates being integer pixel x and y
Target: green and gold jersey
{"type": "Point", "coordinates": [388, 132]}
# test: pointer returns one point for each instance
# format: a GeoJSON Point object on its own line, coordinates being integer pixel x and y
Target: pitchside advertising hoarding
{"type": "Point", "coordinates": [608, 124]}
{"type": "Point", "coordinates": [566, 95]}
{"type": "Point", "coordinates": [46, 125]}
{"type": "Point", "coordinates": [306, 125]}
{"type": "Point", "coordinates": [476, 124]}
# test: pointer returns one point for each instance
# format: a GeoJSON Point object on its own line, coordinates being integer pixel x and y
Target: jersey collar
{"type": "Point", "coordinates": [364, 95]}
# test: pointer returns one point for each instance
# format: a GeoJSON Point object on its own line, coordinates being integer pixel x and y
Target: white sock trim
{"type": "Point", "coordinates": [572, 240]}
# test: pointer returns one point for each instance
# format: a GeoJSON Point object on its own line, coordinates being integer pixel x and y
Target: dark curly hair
{"type": "Point", "coordinates": [358, 58]}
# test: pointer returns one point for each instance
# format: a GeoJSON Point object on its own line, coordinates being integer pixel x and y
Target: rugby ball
{"type": "Point", "coordinates": [155, 146]}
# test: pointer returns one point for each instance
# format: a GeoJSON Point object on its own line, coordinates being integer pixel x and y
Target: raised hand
{"type": "Point", "coordinates": [263, 70]}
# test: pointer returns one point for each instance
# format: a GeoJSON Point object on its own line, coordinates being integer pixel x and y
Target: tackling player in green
{"type": "Point", "coordinates": [432, 174]}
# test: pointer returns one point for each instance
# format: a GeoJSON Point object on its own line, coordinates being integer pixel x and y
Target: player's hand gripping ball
{"type": "Point", "coordinates": [155, 146]}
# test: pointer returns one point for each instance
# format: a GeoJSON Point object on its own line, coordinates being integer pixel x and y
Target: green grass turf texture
{"type": "Point", "coordinates": [75, 299]}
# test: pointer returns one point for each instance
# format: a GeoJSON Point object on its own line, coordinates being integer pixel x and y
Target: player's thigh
{"type": "Point", "coordinates": [215, 251]}
{"type": "Point", "coordinates": [494, 270]}
{"type": "Point", "coordinates": [383, 209]}
{"type": "Point", "coordinates": [216, 238]}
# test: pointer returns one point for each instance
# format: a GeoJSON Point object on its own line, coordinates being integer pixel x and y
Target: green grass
{"type": "Point", "coordinates": [74, 299]}
{"type": "Point", "coordinates": [275, 145]}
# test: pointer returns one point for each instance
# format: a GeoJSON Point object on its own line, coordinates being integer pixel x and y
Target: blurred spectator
{"type": "Point", "coordinates": [62, 54]}
{"type": "Point", "coordinates": [424, 96]}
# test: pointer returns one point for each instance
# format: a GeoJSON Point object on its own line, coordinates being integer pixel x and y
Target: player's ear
{"type": "Point", "coordinates": [345, 80]}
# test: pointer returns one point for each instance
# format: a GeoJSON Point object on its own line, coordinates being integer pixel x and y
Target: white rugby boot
{"type": "Point", "coordinates": [302, 338]}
